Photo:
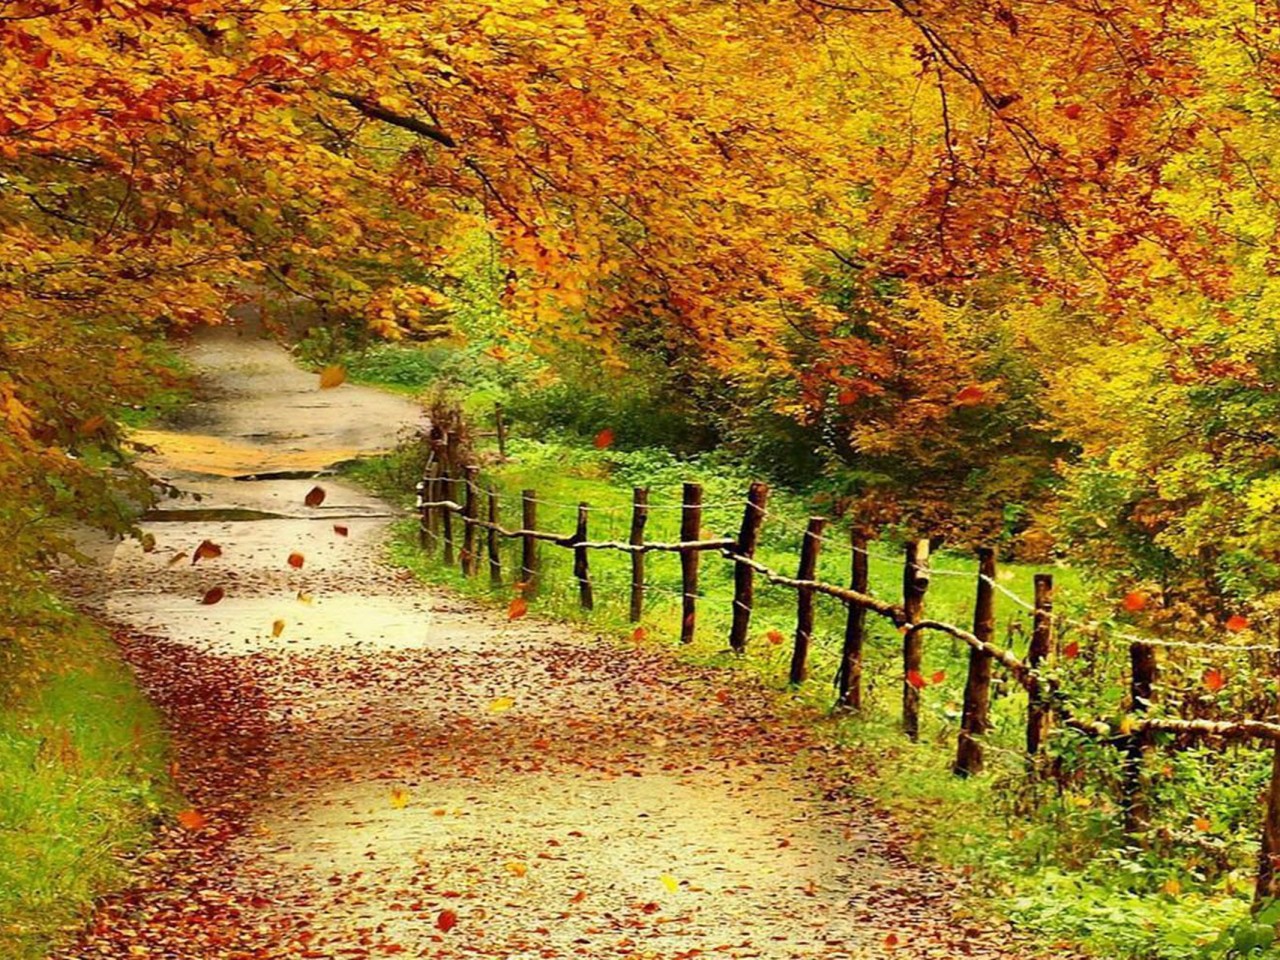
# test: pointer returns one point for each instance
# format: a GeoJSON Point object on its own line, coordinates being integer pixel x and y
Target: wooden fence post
{"type": "Point", "coordinates": [974, 721]}
{"type": "Point", "coordinates": [639, 517]}
{"type": "Point", "coordinates": [915, 581]}
{"type": "Point", "coordinates": [529, 546]}
{"type": "Point", "coordinates": [470, 512]}
{"type": "Point", "coordinates": [424, 513]}
{"type": "Point", "coordinates": [447, 492]}
{"type": "Point", "coordinates": [690, 530]}
{"type": "Point", "coordinates": [809, 549]}
{"type": "Point", "coordinates": [849, 677]}
{"type": "Point", "coordinates": [500, 429]}
{"type": "Point", "coordinates": [495, 555]}
{"type": "Point", "coordinates": [1268, 885]}
{"type": "Point", "coordinates": [744, 577]}
{"type": "Point", "coordinates": [1038, 654]}
{"type": "Point", "coordinates": [1142, 664]}
{"type": "Point", "coordinates": [586, 599]}
{"type": "Point", "coordinates": [434, 517]}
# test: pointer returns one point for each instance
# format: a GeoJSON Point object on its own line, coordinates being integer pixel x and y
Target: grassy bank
{"type": "Point", "coordinates": [82, 780]}
{"type": "Point", "coordinates": [1049, 852]}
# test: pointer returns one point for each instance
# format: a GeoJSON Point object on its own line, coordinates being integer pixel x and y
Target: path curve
{"type": "Point", "coordinates": [397, 771]}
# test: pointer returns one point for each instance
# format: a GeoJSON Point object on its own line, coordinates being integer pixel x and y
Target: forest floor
{"type": "Point", "coordinates": [379, 768]}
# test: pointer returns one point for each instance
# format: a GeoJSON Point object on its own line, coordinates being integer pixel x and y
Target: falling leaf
{"type": "Point", "coordinates": [1236, 623]}
{"type": "Point", "coordinates": [1071, 650]}
{"type": "Point", "coordinates": [399, 797]}
{"type": "Point", "coordinates": [516, 868]}
{"type": "Point", "coordinates": [1072, 111]}
{"type": "Point", "coordinates": [315, 496]}
{"type": "Point", "coordinates": [332, 376]}
{"type": "Point", "coordinates": [1203, 825]}
{"type": "Point", "coordinates": [1172, 887]}
{"type": "Point", "coordinates": [213, 596]}
{"type": "Point", "coordinates": [502, 704]}
{"type": "Point", "coordinates": [340, 530]}
{"type": "Point", "coordinates": [192, 820]}
{"type": "Point", "coordinates": [1135, 600]}
{"type": "Point", "coordinates": [1214, 680]}
{"type": "Point", "coordinates": [670, 882]}
{"type": "Point", "coordinates": [517, 608]}
{"type": "Point", "coordinates": [774, 636]}
{"type": "Point", "coordinates": [915, 680]}
{"type": "Point", "coordinates": [208, 550]}
{"type": "Point", "coordinates": [970, 396]}
{"type": "Point", "coordinates": [447, 920]}
{"type": "Point", "coordinates": [603, 439]}
{"type": "Point", "coordinates": [651, 907]}
{"type": "Point", "coordinates": [296, 560]}
{"type": "Point", "coordinates": [277, 628]}
{"type": "Point", "coordinates": [1126, 724]}
{"type": "Point", "coordinates": [638, 634]}
{"type": "Point", "coordinates": [938, 677]}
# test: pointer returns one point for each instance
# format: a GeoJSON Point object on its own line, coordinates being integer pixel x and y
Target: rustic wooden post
{"type": "Point", "coordinates": [1268, 886]}
{"type": "Point", "coordinates": [639, 517]}
{"type": "Point", "coordinates": [744, 577]}
{"type": "Point", "coordinates": [495, 555]}
{"type": "Point", "coordinates": [434, 518]}
{"type": "Point", "coordinates": [809, 548]}
{"type": "Point", "coordinates": [451, 445]}
{"type": "Point", "coordinates": [529, 546]}
{"type": "Point", "coordinates": [500, 428]}
{"type": "Point", "coordinates": [915, 581]}
{"type": "Point", "coordinates": [424, 512]}
{"type": "Point", "coordinates": [974, 720]}
{"type": "Point", "coordinates": [470, 512]}
{"type": "Point", "coordinates": [849, 677]}
{"type": "Point", "coordinates": [1142, 665]}
{"type": "Point", "coordinates": [690, 530]}
{"type": "Point", "coordinates": [447, 492]}
{"type": "Point", "coordinates": [1038, 654]}
{"type": "Point", "coordinates": [586, 599]}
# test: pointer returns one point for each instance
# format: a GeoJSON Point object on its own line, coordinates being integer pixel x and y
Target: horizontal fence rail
{"type": "Point", "coordinates": [438, 506]}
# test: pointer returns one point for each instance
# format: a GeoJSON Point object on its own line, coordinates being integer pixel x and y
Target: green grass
{"type": "Point", "coordinates": [82, 783]}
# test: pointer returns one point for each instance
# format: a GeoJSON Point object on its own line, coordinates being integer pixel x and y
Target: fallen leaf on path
{"type": "Point", "coordinates": [340, 530]}
{"type": "Point", "coordinates": [177, 558]}
{"type": "Point", "coordinates": [332, 376]}
{"type": "Point", "coordinates": [670, 882]}
{"type": "Point", "coordinates": [517, 608]}
{"type": "Point", "coordinates": [213, 596]}
{"type": "Point", "coordinates": [502, 704]}
{"type": "Point", "coordinates": [192, 820]}
{"type": "Point", "coordinates": [296, 560]}
{"type": "Point", "coordinates": [516, 868]}
{"type": "Point", "coordinates": [277, 628]}
{"type": "Point", "coordinates": [446, 921]}
{"type": "Point", "coordinates": [207, 550]}
{"type": "Point", "coordinates": [399, 797]}
{"type": "Point", "coordinates": [315, 496]}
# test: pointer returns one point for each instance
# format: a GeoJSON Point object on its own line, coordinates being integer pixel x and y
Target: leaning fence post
{"type": "Point", "coordinates": [974, 721]}
{"type": "Point", "coordinates": [809, 548]}
{"type": "Point", "coordinates": [744, 577]}
{"type": "Point", "coordinates": [528, 544]}
{"type": "Point", "coordinates": [500, 429]}
{"type": "Point", "coordinates": [586, 599]}
{"type": "Point", "coordinates": [915, 581]}
{"type": "Point", "coordinates": [690, 528]}
{"type": "Point", "coordinates": [1038, 654]}
{"type": "Point", "coordinates": [849, 676]}
{"type": "Point", "coordinates": [1142, 663]}
{"type": "Point", "coordinates": [639, 517]}
{"type": "Point", "coordinates": [495, 555]}
{"type": "Point", "coordinates": [424, 513]}
{"type": "Point", "coordinates": [470, 511]}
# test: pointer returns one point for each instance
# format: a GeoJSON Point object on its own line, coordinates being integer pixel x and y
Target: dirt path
{"type": "Point", "coordinates": [399, 771]}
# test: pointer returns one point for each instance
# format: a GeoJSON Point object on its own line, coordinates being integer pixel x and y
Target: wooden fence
{"type": "Point", "coordinates": [443, 498]}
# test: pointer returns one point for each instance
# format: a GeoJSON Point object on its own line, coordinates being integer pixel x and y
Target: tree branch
{"type": "Point", "coordinates": [373, 110]}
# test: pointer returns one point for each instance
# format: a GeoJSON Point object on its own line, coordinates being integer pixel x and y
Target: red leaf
{"type": "Point", "coordinates": [603, 439]}
{"type": "Point", "coordinates": [296, 560]}
{"type": "Point", "coordinates": [207, 550]}
{"type": "Point", "coordinates": [938, 677]}
{"type": "Point", "coordinates": [638, 634]}
{"type": "Point", "coordinates": [447, 920]}
{"type": "Point", "coordinates": [970, 396]}
{"type": "Point", "coordinates": [1236, 623]}
{"type": "Point", "coordinates": [915, 680]}
{"type": "Point", "coordinates": [315, 496]}
{"type": "Point", "coordinates": [1214, 680]}
{"type": "Point", "coordinates": [891, 941]}
{"type": "Point", "coordinates": [578, 897]}
{"type": "Point", "coordinates": [340, 530]}
{"type": "Point", "coordinates": [517, 608]}
{"type": "Point", "coordinates": [1071, 650]}
{"type": "Point", "coordinates": [1135, 600]}
{"type": "Point", "coordinates": [774, 636]}
{"type": "Point", "coordinates": [213, 596]}
{"type": "Point", "coordinates": [1072, 111]}
{"type": "Point", "coordinates": [192, 820]}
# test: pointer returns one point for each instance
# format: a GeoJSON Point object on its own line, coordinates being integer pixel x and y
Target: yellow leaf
{"type": "Point", "coordinates": [502, 704]}
{"type": "Point", "coordinates": [332, 376]}
{"type": "Point", "coordinates": [277, 628]}
{"type": "Point", "coordinates": [516, 868]}
{"type": "Point", "coordinates": [399, 797]}
{"type": "Point", "coordinates": [670, 882]}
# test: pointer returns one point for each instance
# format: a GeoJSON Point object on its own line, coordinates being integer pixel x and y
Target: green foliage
{"type": "Point", "coordinates": [82, 779]}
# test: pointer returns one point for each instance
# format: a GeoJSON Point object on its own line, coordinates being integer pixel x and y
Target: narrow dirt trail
{"type": "Point", "coordinates": [401, 772]}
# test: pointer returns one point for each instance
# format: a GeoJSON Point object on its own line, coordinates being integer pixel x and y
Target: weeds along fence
{"type": "Point", "coordinates": [459, 518]}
